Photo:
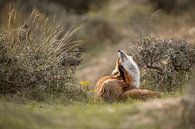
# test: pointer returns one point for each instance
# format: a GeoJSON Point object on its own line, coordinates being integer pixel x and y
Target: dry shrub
{"type": "Point", "coordinates": [165, 64]}
{"type": "Point", "coordinates": [38, 57]}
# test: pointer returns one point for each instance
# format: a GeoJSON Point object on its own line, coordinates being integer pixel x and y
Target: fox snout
{"type": "Point", "coordinates": [119, 50]}
{"type": "Point", "coordinates": [122, 55]}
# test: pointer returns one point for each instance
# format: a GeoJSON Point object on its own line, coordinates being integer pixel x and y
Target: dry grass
{"type": "Point", "coordinates": [38, 57]}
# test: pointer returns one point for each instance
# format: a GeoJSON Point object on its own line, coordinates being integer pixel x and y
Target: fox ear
{"type": "Point", "coordinates": [115, 72]}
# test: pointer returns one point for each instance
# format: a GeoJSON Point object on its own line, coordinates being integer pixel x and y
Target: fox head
{"type": "Point", "coordinates": [127, 68]}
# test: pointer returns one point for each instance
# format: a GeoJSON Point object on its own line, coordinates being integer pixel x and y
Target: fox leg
{"type": "Point", "coordinates": [112, 90]}
{"type": "Point", "coordinates": [140, 94]}
{"type": "Point", "coordinates": [111, 93]}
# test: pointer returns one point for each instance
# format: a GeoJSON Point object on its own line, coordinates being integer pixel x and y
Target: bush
{"type": "Point", "coordinates": [165, 64]}
{"type": "Point", "coordinates": [38, 58]}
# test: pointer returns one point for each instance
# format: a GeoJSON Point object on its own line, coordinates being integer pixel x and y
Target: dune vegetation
{"type": "Point", "coordinates": [52, 53]}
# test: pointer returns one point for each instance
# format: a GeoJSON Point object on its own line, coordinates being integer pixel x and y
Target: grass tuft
{"type": "Point", "coordinates": [38, 57]}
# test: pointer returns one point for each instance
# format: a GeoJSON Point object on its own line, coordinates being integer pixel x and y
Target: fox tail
{"type": "Point", "coordinates": [141, 93]}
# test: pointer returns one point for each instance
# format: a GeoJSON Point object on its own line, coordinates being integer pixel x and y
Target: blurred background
{"type": "Point", "coordinates": [108, 25]}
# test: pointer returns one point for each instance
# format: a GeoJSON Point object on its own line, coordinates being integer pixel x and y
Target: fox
{"type": "Point", "coordinates": [123, 83]}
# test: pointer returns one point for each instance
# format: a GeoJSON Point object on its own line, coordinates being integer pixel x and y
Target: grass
{"type": "Point", "coordinates": [38, 57]}
{"type": "Point", "coordinates": [153, 114]}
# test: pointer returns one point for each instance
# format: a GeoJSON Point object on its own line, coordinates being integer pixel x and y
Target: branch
{"type": "Point", "coordinates": [153, 67]}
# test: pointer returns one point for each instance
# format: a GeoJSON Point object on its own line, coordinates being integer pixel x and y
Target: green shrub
{"type": "Point", "coordinates": [38, 58]}
{"type": "Point", "coordinates": [165, 64]}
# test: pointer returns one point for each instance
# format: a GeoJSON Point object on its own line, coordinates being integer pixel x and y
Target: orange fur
{"type": "Point", "coordinates": [118, 87]}
{"type": "Point", "coordinates": [109, 88]}
{"type": "Point", "coordinates": [140, 93]}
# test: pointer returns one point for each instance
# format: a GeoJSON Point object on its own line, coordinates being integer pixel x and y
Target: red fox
{"type": "Point", "coordinates": [123, 82]}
